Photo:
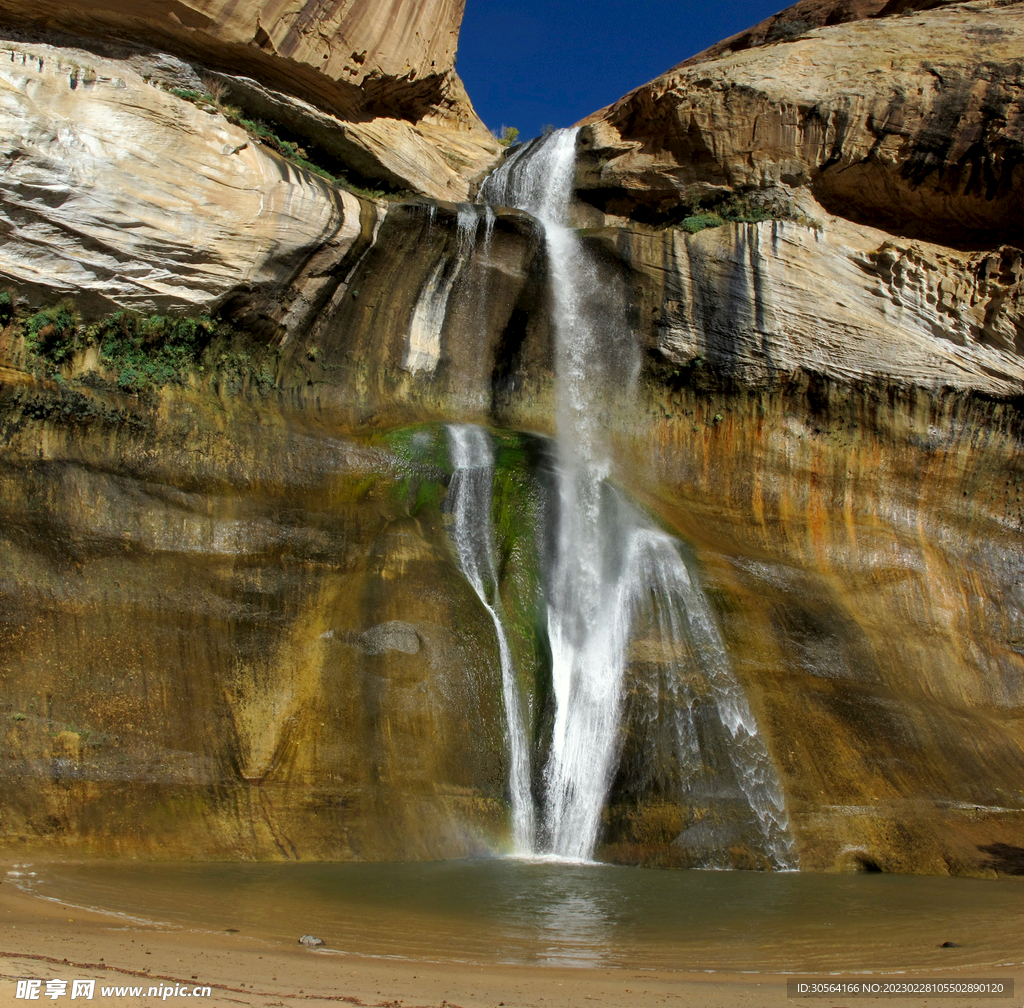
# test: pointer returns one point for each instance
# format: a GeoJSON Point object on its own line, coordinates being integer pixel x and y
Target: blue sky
{"type": "Point", "coordinates": [528, 63]}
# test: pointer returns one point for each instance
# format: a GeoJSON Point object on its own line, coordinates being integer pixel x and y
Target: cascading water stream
{"type": "Point", "coordinates": [608, 561]}
{"type": "Point", "coordinates": [586, 636]}
{"type": "Point", "coordinates": [469, 498]}
{"type": "Point", "coordinates": [661, 579]}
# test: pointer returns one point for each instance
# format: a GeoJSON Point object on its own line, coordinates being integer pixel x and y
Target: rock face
{"type": "Point", "coordinates": [804, 15]}
{"type": "Point", "coordinates": [122, 195]}
{"type": "Point", "coordinates": [910, 123]}
{"type": "Point", "coordinates": [274, 658]}
{"type": "Point", "coordinates": [380, 78]}
{"type": "Point", "coordinates": [760, 301]}
{"type": "Point", "coordinates": [233, 622]}
{"type": "Point", "coordinates": [274, 653]}
{"type": "Point", "coordinates": [349, 57]}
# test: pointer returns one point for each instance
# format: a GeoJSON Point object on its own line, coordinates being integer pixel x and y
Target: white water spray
{"type": "Point", "coordinates": [469, 497]}
{"type": "Point", "coordinates": [608, 561]}
{"type": "Point", "coordinates": [585, 628]}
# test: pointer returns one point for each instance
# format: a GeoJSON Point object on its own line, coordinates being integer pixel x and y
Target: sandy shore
{"type": "Point", "coordinates": [46, 940]}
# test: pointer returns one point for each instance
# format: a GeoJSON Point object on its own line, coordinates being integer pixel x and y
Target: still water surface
{"type": "Point", "coordinates": [543, 913]}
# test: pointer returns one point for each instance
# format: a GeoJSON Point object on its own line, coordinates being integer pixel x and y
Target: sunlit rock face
{"type": "Point", "coordinates": [234, 624]}
{"type": "Point", "coordinates": [121, 195]}
{"type": "Point", "coordinates": [791, 22]}
{"type": "Point", "coordinates": [911, 123]}
{"type": "Point", "coordinates": [350, 57]}
{"type": "Point", "coordinates": [852, 303]}
{"type": "Point", "coordinates": [375, 83]}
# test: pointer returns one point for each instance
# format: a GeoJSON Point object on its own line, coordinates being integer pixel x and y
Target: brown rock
{"type": "Point", "coordinates": [791, 23]}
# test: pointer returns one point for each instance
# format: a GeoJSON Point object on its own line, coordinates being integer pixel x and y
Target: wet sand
{"type": "Point", "coordinates": [43, 939]}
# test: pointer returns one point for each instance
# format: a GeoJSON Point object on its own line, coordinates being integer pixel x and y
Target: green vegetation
{"type": "Point", "coordinates": [196, 97]}
{"type": "Point", "coordinates": [268, 134]}
{"type": "Point", "coordinates": [744, 208]}
{"type": "Point", "coordinates": [424, 483]}
{"type": "Point", "coordinates": [509, 135]}
{"type": "Point", "coordinates": [51, 333]}
{"type": "Point", "coordinates": [698, 222]}
{"type": "Point", "coordinates": [150, 352]}
{"type": "Point", "coordinates": [138, 352]}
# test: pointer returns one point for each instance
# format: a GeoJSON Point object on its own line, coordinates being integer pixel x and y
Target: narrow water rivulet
{"type": "Point", "coordinates": [469, 498]}
{"type": "Point", "coordinates": [610, 565]}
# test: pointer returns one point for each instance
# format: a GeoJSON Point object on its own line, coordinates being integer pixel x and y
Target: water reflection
{"type": "Point", "coordinates": [547, 913]}
{"type": "Point", "coordinates": [574, 918]}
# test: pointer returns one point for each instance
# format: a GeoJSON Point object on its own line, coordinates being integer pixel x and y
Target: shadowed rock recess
{"type": "Point", "coordinates": [244, 295]}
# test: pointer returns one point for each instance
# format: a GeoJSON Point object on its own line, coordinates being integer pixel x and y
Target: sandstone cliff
{"type": "Point", "coordinates": [376, 83]}
{"type": "Point", "coordinates": [234, 624]}
{"type": "Point", "coordinates": [122, 195]}
{"type": "Point", "coordinates": [909, 123]}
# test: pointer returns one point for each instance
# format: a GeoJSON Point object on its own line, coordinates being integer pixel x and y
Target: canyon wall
{"type": "Point", "coordinates": [233, 621]}
{"type": "Point", "coordinates": [371, 88]}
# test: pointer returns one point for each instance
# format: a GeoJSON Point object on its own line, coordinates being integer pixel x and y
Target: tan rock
{"type": "Point", "coordinates": [911, 123]}
{"type": "Point", "coordinates": [439, 155]}
{"type": "Point", "coordinates": [387, 71]}
{"type": "Point", "coordinates": [238, 598]}
{"type": "Point", "coordinates": [122, 195]}
{"type": "Point", "coordinates": [848, 302]}
{"type": "Point", "coordinates": [350, 57]}
{"type": "Point", "coordinates": [804, 15]}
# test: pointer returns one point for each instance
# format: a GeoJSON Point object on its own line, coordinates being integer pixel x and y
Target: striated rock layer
{"type": "Point", "coordinates": [242, 646]}
{"type": "Point", "coordinates": [374, 84]}
{"type": "Point", "coordinates": [348, 57]}
{"type": "Point", "coordinates": [118, 193]}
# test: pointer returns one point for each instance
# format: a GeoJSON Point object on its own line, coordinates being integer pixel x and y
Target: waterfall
{"type": "Point", "coordinates": [608, 561]}
{"type": "Point", "coordinates": [586, 627]}
{"type": "Point", "coordinates": [662, 581]}
{"type": "Point", "coordinates": [469, 500]}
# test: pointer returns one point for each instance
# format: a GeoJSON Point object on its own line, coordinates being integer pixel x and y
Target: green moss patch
{"type": "Point", "coordinates": [750, 207]}
{"type": "Point", "coordinates": [137, 352]}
